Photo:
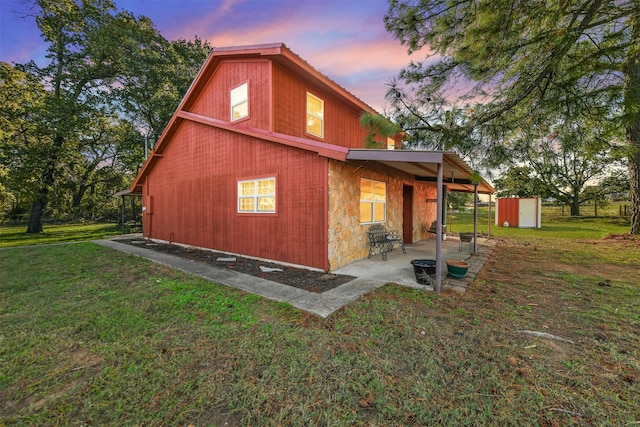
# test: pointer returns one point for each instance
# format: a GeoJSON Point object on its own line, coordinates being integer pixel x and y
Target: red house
{"type": "Point", "coordinates": [265, 157]}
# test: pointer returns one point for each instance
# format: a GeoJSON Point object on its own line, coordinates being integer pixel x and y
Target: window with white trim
{"type": "Point", "coordinates": [373, 201]}
{"type": "Point", "coordinates": [257, 195]}
{"type": "Point", "coordinates": [315, 115]}
{"type": "Point", "coordinates": [240, 102]}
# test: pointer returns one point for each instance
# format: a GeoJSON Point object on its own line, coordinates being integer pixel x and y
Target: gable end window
{"type": "Point", "coordinates": [373, 201]}
{"type": "Point", "coordinates": [257, 195]}
{"type": "Point", "coordinates": [315, 115]}
{"type": "Point", "coordinates": [240, 102]}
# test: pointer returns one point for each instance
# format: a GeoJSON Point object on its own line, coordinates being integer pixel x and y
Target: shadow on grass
{"type": "Point", "coordinates": [17, 235]}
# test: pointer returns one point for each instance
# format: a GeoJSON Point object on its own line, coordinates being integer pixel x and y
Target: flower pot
{"type": "Point", "coordinates": [457, 268]}
{"type": "Point", "coordinates": [425, 270]}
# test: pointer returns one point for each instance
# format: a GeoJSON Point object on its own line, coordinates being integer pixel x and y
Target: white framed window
{"type": "Point", "coordinates": [373, 201]}
{"type": "Point", "coordinates": [315, 115]}
{"type": "Point", "coordinates": [257, 195]}
{"type": "Point", "coordinates": [240, 102]}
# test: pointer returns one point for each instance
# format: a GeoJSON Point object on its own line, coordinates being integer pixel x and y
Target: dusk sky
{"type": "Point", "coordinates": [343, 39]}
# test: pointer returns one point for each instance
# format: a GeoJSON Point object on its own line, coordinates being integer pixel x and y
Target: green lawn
{"type": "Point", "coordinates": [91, 336]}
{"type": "Point", "coordinates": [16, 235]}
{"type": "Point", "coordinates": [552, 225]}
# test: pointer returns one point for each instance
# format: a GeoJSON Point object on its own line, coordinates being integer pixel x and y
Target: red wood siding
{"type": "Point", "coordinates": [215, 101]}
{"type": "Point", "coordinates": [508, 210]}
{"type": "Point", "coordinates": [341, 123]}
{"type": "Point", "coordinates": [194, 191]}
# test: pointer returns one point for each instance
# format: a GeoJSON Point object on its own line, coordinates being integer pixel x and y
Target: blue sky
{"type": "Point", "coordinates": [343, 39]}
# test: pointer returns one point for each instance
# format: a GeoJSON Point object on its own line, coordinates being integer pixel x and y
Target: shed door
{"type": "Point", "coordinates": [528, 213]}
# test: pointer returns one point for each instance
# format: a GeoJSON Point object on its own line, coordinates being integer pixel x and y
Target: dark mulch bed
{"type": "Point", "coordinates": [312, 281]}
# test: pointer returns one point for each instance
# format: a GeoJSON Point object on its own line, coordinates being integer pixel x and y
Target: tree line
{"type": "Point", "coordinates": [73, 131]}
{"type": "Point", "coordinates": [548, 90]}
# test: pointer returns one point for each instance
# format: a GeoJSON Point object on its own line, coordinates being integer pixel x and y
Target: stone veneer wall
{"type": "Point", "coordinates": [348, 239]}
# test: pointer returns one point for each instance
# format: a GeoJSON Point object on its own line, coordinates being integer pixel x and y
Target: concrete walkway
{"type": "Point", "coordinates": [370, 274]}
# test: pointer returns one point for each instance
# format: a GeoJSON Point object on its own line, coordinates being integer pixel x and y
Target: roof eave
{"type": "Point", "coordinates": [422, 165]}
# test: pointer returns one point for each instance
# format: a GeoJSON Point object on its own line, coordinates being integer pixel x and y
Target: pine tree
{"type": "Point", "coordinates": [518, 58]}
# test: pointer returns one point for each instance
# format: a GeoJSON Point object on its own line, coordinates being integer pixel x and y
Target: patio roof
{"type": "Point", "coordinates": [441, 167]}
{"type": "Point", "coordinates": [423, 165]}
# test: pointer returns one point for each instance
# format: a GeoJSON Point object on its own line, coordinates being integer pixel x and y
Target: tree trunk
{"type": "Point", "coordinates": [77, 200]}
{"type": "Point", "coordinates": [40, 204]}
{"type": "Point", "coordinates": [35, 218]}
{"type": "Point", "coordinates": [42, 198]}
{"type": "Point", "coordinates": [634, 178]}
{"type": "Point", "coordinates": [575, 204]}
{"type": "Point", "coordinates": [632, 109]}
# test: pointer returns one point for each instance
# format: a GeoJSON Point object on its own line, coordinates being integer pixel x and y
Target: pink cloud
{"type": "Point", "coordinates": [357, 57]}
{"type": "Point", "coordinates": [345, 40]}
{"type": "Point", "coordinates": [352, 47]}
{"type": "Point", "coordinates": [200, 24]}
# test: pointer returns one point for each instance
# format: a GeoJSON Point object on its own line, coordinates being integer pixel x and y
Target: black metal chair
{"type": "Point", "coordinates": [382, 240]}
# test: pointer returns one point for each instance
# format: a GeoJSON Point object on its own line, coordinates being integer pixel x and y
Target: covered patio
{"type": "Point", "coordinates": [449, 172]}
{"type": "Point", "coordinates": [129, 224]}
{"type": "Point", "coordinates": [398, 269]}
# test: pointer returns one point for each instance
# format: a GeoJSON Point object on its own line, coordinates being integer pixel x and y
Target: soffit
{"type": "Point", "coordinates": [423, 166]}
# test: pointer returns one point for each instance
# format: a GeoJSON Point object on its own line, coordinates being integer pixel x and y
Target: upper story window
{"type": "Point", "coordinates": [315, 115]}
{"type": "Point", "coordinates": [373, 201]}
{"type": "Point", "coordinates": [257, 195]}
{"type": "Point", "coordinates": [240, 102]}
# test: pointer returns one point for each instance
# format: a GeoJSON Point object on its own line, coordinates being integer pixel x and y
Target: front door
{"type": "Point", "coordinates": [407, 213]}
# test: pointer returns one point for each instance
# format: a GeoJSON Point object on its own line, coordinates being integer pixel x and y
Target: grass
{"type": "Point", "coordinates": [91, 336]}
{"type": "Point", "coordinates": [16, 236]}
{"type": "Point", "coordinates": [553, 226]}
